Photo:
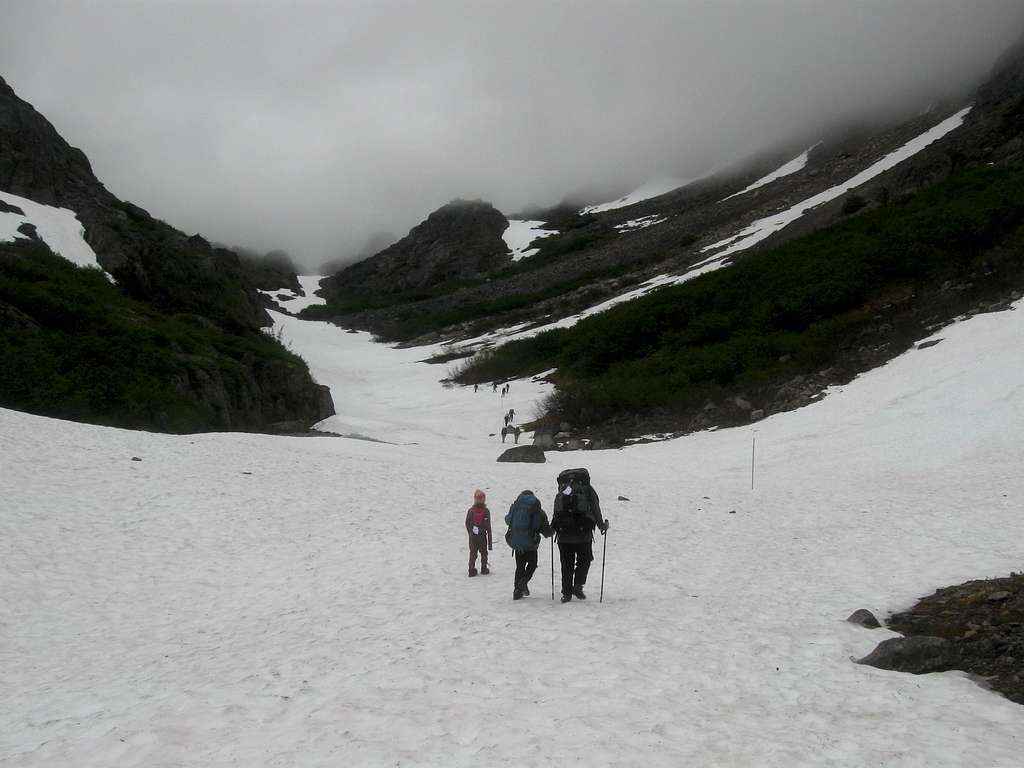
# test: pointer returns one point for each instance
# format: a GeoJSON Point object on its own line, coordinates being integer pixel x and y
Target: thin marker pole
{"type": "Point", "coordinates": [753, 441]}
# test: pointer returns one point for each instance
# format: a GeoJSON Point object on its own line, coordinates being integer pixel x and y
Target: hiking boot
{"type": "Point", "coordinates": [472, 571]}
{"type": "Point", "coordinates": [517, 595]}
{"type": "Point", "coordinates": [578, 592]}
{"type": "Point", "coordinates": [485, 570]}
{"type": "Point", "coordinates": [566, 598]}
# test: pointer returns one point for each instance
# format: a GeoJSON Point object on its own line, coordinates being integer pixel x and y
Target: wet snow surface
{"type": "Point", "coordinates": [248, 600]}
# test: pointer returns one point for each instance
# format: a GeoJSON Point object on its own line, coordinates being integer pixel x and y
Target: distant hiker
{"type": "Point", "coordinates": [506, 419]}
{"type": "Point", "coordinates": [515, 433]}
{"type": "Point", "coordinates": [495, 387]}
{"type": "Point", "coordinates": [511, 413]}
{"type": "Point", "coordinates": [476, 387]}
{"type": "Point", "coordinates": [576, 513]}
{"type": "Point", "coordinates": [504, 433]}
{"type": "Point", "coordinates": [478, 526]}
{"type": "Point", "coordinates": [527, 522]}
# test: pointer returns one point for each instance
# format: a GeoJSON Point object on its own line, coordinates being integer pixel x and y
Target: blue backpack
{"type": "Point", "coordinates": [523, 525]}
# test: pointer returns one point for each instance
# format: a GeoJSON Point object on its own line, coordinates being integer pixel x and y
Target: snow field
{"type": "Point", "coordinates": [181, 611]}
{"type": "Point", "coordinates": [59, 228]}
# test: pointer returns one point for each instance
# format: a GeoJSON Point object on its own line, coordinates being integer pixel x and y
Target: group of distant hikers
{"type": "Point", "coordinates": [576, 515]}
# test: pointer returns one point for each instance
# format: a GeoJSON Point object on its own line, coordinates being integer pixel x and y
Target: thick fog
{"type": "Point", "coordinates": [311, 127]}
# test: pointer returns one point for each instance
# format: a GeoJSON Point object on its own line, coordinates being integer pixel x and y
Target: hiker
{"type": "Point", "coordinates": [506, 419]}
{"type": "Point", "coordinates": [515, 434]}
{"type": "Point", "coordinates": [576, 513]}
{"type": "Point", "coordinates": [476, 387]}
{"type": "Point", "coordinates": [478, 526]}
{"type": "Point", "coordinates": [511, 414]}
{"type": "Point", "coordinates": [527, 522]}
{"type": "Point", "coordinates": [494, 388]}
{"type": "Point", "coordinates": [504, 433]}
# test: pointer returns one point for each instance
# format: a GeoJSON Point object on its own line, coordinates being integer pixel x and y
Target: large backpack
{"type": "Point", "coordinates": [523, 528]}
{"type": "Point", "coordinates": [572, 505]}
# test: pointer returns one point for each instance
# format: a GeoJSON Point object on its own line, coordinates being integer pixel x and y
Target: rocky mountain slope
{"type": "Point", "coordinates": [157, 269]}
{"type": "Point", "coordinates": [459, 240]}
{"type": "Point", "coordinates": [596, 255]}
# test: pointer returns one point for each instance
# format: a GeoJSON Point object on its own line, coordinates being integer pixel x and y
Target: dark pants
{"type": "Point", "coordinates": [477, 543]}
{"type": "Point", "coordinates": [526, 564]}
{"type": "Point", "coordinates": [576, 559]}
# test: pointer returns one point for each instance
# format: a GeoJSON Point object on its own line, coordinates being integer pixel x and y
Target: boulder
{"type": "Point", "coordinates": [529, 454]}
{"type": "Point", "coordinates": [742, 403]}
{"type": "Point", "coordinates": [865, 618]}
{"type": "Point", "coordinates": [917, 655]}
{"type": "Point", "coordinates": [757, 414]}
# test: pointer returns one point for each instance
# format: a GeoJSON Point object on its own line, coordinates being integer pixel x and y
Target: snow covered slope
{"type": "Point", "coordinates": [798, 163]}
{"type": "Point", "coordinates": [764, 228]}
{"type": "Point", "coordinates": [645, 192]}
{"type": "Point", "coordinates": [59, 228]}
{"type": "Point", "coordinates": [238, 599]}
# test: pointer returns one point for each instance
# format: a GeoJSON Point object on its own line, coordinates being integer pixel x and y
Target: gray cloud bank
{"type": "Point", "coordinates": [309, 126]}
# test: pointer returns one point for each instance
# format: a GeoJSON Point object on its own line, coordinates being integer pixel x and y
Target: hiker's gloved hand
{"type": "Point", "coordinates": [604, 527]}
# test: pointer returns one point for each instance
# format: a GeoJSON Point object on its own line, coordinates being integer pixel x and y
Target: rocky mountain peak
{"type": "Point", "coordinates": [459, 240]}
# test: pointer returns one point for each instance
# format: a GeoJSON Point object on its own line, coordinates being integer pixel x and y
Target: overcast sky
{"type": "Point", "coordinates": [308, 126]}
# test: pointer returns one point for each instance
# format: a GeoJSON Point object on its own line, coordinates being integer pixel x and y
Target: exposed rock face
{"type": "Point", "coordinates": [151, 260]}
{"type": "Point", "coordinates": [984, 621]}
{"type": "Point", "coordinates": [156, 264]}
{"type": "Point", "coordinates": [461, 239]}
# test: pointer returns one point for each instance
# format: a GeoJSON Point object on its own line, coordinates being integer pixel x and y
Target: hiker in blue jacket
{"type": "Point", "coordinates": [527, 522]}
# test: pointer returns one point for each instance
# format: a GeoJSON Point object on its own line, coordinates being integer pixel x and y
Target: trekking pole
{"type": "Point", "coordinates": [604, 554]}
{"type": "Point", "coordinates": [552, 568]}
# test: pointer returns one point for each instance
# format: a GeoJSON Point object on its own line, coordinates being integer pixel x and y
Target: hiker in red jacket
{"type": "Point", "coordinates": [478, 526]}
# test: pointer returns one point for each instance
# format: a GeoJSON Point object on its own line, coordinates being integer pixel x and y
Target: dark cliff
{"type": "Point", "coordinates": [161, 274]}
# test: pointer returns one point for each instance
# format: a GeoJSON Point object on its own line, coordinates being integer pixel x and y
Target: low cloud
{"type": "Point", "coordinates": [312, 126]}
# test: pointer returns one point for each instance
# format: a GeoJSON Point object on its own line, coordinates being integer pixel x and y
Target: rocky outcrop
{"type": "Point", "coordinates": [151, 260]}
{"type": "Point", "coordinates": [166, 271]}
{"type": "Point", "coordinates": [459, 240]}
{"type": "Point", "coordinates": [977, 627]}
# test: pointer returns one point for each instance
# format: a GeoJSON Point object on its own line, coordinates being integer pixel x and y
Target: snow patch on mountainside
{"type": "Point", "coordinates": [642, 223]}
{"type": "Point", "coordinates": [764, 228]}
{"type": "Point", "coordinates": [59, 228]}
{"type": "Point", "coordinates": [796, 164]}
{"type": "Point", "coordinates": [292, 301]}
{"type": "Point", "coordinates": [647, 191]}
{"type": "Point", "coordinates": [520, 233]}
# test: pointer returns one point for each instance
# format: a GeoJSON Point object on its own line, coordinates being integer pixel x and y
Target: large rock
{"type": "Point", "coordinates": [864, 618]}
{"type": "Point", "coordinates": [917, 655]}
{"type": "Point", "coordinates": [529, 454]}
